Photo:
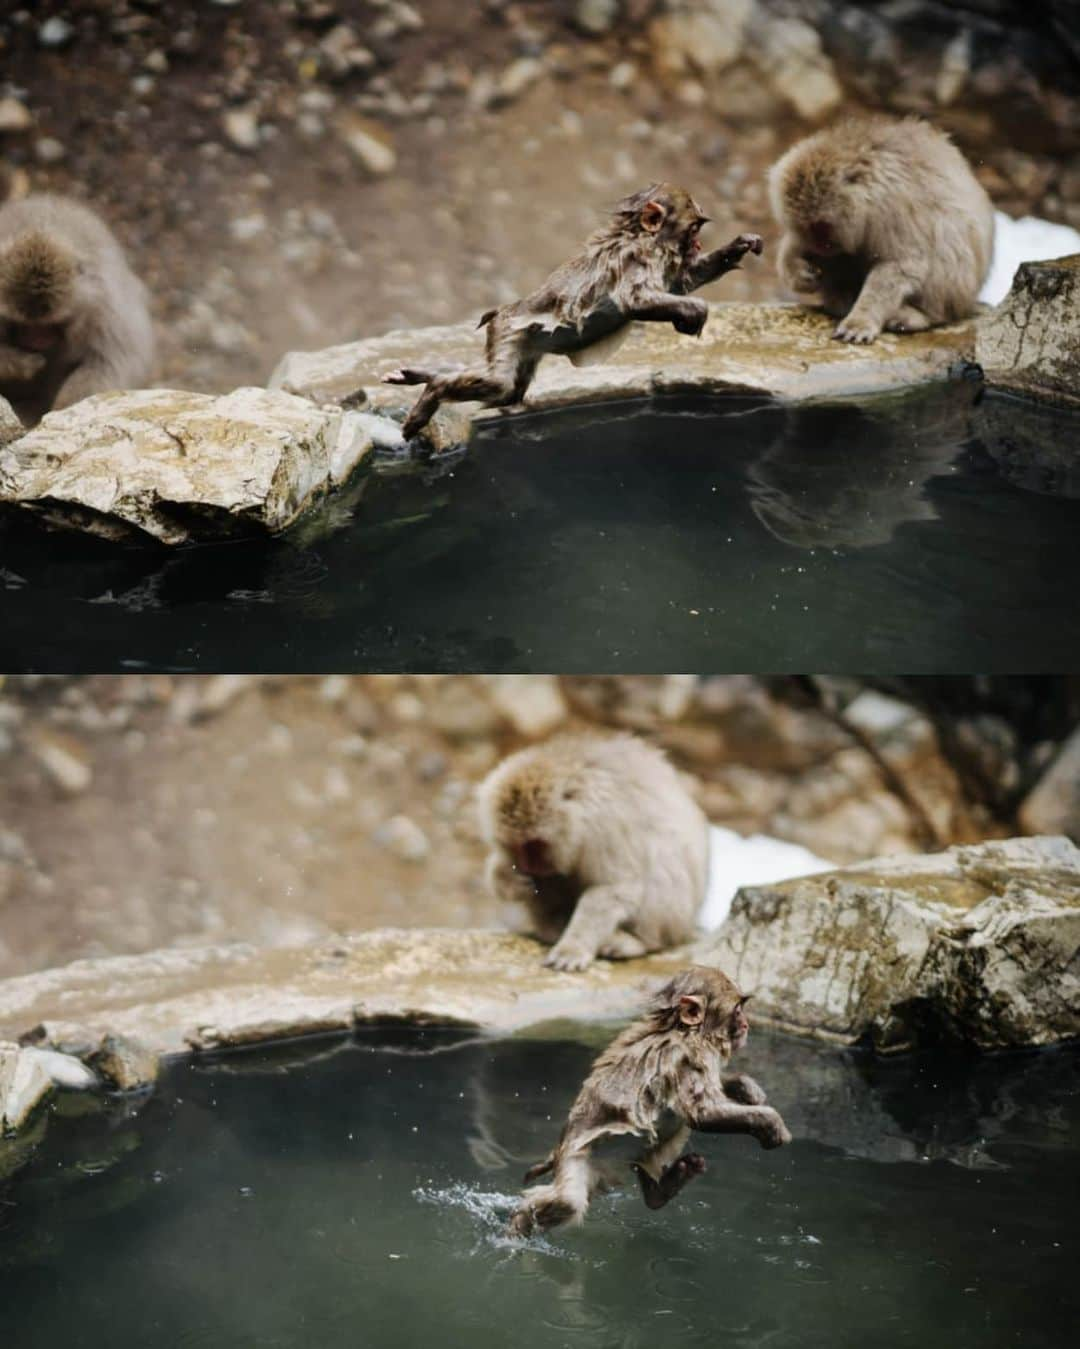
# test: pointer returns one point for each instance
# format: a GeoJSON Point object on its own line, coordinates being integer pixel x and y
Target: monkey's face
{"type": "Point", "coordinates": [672, 217]}
{"type": "Point", "coordinates": [738, 1027]}
{"type": "Point", "coordinates": [539, 823]}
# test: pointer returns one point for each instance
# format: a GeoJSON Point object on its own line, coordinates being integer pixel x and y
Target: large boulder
{"type": "Point", "coordinates": [975, 945]}
{"type": "Point", "coordinates": [159, 464]}
{"type": "Point", "coordinates": [1031, 343]}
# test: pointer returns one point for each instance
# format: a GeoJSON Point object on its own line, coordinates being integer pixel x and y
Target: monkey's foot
{"type": "Point", "coordinates": [407, 375]}
{"type": "Point", "coordinates": [522, 1224]}
{"type": "Point", "coordinates": [566, 956]}
{"type": "Point", "coordinates": [775, 1135]}
{"type": "Point", "coordinates": [657, 1193]}
{"type": "Point", "coordinates": [856, 329]}
{"type": "Point", "coordinates": [907, 319]}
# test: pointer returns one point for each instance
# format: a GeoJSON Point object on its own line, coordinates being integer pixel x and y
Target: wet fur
{"type": "Point", "coordinates": [628, 845]}
{"type": "Point", "coordinates": [657, 1065]}
{"type": "Point", "coordinates": [913, 226]}
{"type": "Point", "coordinates": [60, 265]}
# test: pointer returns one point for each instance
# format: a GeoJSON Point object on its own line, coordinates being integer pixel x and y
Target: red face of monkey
{"type": "Point", "coordinates": [707, 998]}
{"type": "Point", "coordinates": [670, 214]}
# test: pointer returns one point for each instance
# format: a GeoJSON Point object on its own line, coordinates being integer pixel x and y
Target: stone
{"type": "Point", "coordinates": [64, 1070]}
{"type": "Point", "coordinates": [24, 1085]}
{"type": "Point", "coordinates": [1053, 804]}
{"type": "Point", "coordinates": [64, 762]}
{"type": "Point", "coordinates": [532, 704]}
{"type": "Point", "coordinates": [404, 838]}
{"type": "Point", "coordinates": [703, 40]}
{"type": "Point", "coordinates": [596, 16]}
{"type": "Point", "coordinates": [790, 54]}
{"type": "Point", "coordinates": [1031, 343]}
{"type": "Point", "coordinates": [10, 426]}
{"type": "Point", "coordinates": [55, 32]}
{"type": "Point", "coordinates": [775, 350]}
{"type": "Point", "coordinates": [174, 467]}
{"type": "Point", "coordinates": [518, 76]}
{"type": "Point", "coordinates": [125, 1063]}
{"type": "Point", "coordinates": [369, 143]}
{"type": "Point", "coordinates": [975, 945]}
{"type": "Point", "coordinates": [14, 116]}
{"type": "Point", "coordinates": [241, 127]}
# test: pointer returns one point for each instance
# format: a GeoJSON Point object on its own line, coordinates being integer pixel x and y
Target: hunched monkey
{"type": "Point", "coordinates": [659, 1080]}
{"type": "Point", "coordinates": [641, 265]}
{"type": "Point", "coordinates": [73, 316]}
{"type": "Point", "coordinates": [885, 219]}
{"type": "Point", "coordinates": [601, 842]}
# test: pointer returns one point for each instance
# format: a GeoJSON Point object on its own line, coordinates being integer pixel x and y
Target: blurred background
{"type": "Point", "coordinates": [296, 173]}
{"type": "Point", "coordinates": [145, 811]}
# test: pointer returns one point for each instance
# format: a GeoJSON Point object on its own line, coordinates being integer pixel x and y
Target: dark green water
{"type": "Point", "coordinates": [356, 1199]}
{"type": "Point", "coordinates": [914, 533]}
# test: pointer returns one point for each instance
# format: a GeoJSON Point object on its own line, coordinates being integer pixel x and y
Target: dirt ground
{"type": "Point", "coordinates": [293, 175]}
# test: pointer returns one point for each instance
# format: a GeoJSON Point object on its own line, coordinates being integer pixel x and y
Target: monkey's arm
{"type": "Point", "coordinates": [658, 306]}
{"type": "Point", "coordinates": [721, 260]}
{"type": "Point", "coordinates": [705, 1106]}
{"type": "Point", "coordinates": [18, 364]}
{"type": "Point", "coordinates": [598, 913]}
{"type": "Point", "coordinates": [739, 1087]}
{"type": "Point", "coordinates": [887, 286]}
{"type": "Point", "coordinates": [795, 269]}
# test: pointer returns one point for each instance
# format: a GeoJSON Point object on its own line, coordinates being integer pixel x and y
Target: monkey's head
{"type": "Point", "coordinates": [823, 197]}
{"type": "Point", "coordinates": [665, 213]}
{"type": "Point", "coordinates": [37, 291]}
{"type": "Point", "coordinates": [703, 1001]}
{"type": "Point", "coordinates": [533, 808]}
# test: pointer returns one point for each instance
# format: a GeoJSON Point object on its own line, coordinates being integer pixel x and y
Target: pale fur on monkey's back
{"type": "Point", "coordinates": [638, 823]}
{"type": "Point", "coordinates": [919, 195]}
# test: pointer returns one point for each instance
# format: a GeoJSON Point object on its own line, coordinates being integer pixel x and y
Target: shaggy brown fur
{"type": "Point", "coordinates": [73, 318]}
{"type": "Point", "coordinates": [658, 1080]}
{"type": "Point", "coordinates": [886, 221]}
{"type": "Point", "coordinates": [642, 265]}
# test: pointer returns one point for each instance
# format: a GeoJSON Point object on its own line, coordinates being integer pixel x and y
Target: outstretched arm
{"type": "Point", "coordinates": [705, 1103]}
{"type": "Point", "coordinates": [686, 315]}
{"type": "Point", "coordinates": [720, 260]}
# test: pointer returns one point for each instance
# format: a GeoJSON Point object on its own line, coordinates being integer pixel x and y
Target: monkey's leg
{"type": "Point", "coordinates": [907, 319]}
{"type": "Point", "coordinates": [623, 945]}
{"type": "Point", "coordinates": [565, 1200]}
{"type": "Point", "coordinates": [743, 1089]}
{"type": "Point", "coordinates": [759, 1121]}
{"type": "Point", "coordinates": [721, 260]}
{"type": "Point", "coordinates": [657, 1193]}
{"type": "Point", "coordinates": [596, 917]}
{"type": "Point", "coordinates": [684, 314]}
{"type": "Point", "coordinates": [511, 366]}
{"type": "Point", "coordinates": [886, 288]}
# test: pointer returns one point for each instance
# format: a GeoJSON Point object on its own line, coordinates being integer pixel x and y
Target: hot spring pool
{"type": "Point", "coordinates": [875, 536]}
{"type": "Point", "coordinates": [352, 1193]}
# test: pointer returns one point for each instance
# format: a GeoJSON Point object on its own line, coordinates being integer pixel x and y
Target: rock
{"type": "Point", "coordinates": [369, 144]}
{"type": "Point", "coordinates": [1031, 343]}
{"type": "Point", "coordinates": [24, 1085]}
{"type": "Point", "coordinates": [160, 464]}
{"type": "Point", "coordinates": [64, 763]}
{"type": "Point", "coordinates": [404, 838]}
{"type": "Point", "coordinates": [55, 32]}
{"type": "Point", "coordinates": [125, 1063]}
{"type": "Point", "coordinates": [532, 704]}
{"type": "Point", "coordinates": [596, 16]}
{"type": "Point", "coordinates": [14, 116]}
{"type": "Point", "coordinates": [703, 40]}
{"type": "Point", "coordinates": [518, 76]}
{"type": "Point", "coordinates": [10, 426]}
{"type": "Point", "coordinates": [49, 150]}
{"type": "Point", "coordinates": [790, 54]}
{"type": "Point", "coordinates": [64, 1070]}
{"type": "Point", "coordinates": [1032, 444]}
{"type": "Point", "coordinates": [241, 126]}
{"type": "Point", "coordinates": [782, 351]}
{"type": "Point", "coordinates": [974, 945]}
{"type": "Point", "coordinates": [1053, 804]}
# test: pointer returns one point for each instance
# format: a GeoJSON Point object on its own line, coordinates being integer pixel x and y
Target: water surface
{"type": "Point", "coordinates": [912, 533]}
{"type": "Point", "coordinates": [353, 1194]}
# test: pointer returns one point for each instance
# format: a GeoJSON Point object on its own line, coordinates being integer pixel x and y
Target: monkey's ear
{"type": "Point", "coordinates": [691, 1010]}
{"type": "Point", "coordinates": [652, 216]}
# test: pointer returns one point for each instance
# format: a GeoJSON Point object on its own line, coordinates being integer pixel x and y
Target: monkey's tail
{"type": "Point", "coordinates": [540, 1168]}
{"type": "Point", "coordinates": [487, 317]}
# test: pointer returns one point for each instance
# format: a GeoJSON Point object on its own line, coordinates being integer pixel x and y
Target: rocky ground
{"type": "Point", "coordinates": [146, 811]}
{"type": "Point", "coordinates": [292, 175]}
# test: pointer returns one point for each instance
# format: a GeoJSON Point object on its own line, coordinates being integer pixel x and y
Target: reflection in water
{"type": "Point", "coordinates": [338, 1199]}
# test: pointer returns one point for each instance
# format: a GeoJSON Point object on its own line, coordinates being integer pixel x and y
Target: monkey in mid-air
{"type": "Point", "coordinates": [73, 316]}
{"type": "Point", "coordinates": [657, 1081]}
{"type": "Point", "coordinates": [884, 219]}
{"type": "Point", "coordinates": [642, 265]}
{"type": "Point", "coordinates": [602, 843]}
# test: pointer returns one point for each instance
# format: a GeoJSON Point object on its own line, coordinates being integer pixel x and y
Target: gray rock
{"type": "Point", "coordinates": [976, 944]}
{"type": "Point", "coordinates": [176, 467]}
{"type": "Point", "coordinates": [1053, 805]}
{"type": "Point", "coordinates": [1031, 343]}
{"type": "Point", "coordinates": [24, 1085]}
{"type": "Point", "coordinates": [125, 1063]}
{"type": "Point", "coordinates": [10, 426]}
{"type": "Point", "coordinates": [596, 16]}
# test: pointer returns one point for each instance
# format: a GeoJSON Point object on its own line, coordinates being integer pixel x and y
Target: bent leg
{"type": "Point", "coordinates": [907, 319]}
{"type": "Point", "coordinates": [599, 913]}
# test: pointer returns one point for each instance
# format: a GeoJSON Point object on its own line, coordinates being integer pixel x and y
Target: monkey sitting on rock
{"type": "Point", "coordinates": [642, 265]}
{"type": "Point", "coordinates": [601, 842]}
{"type": "Point", "coordinates": [73, 316]}
{"type": "Point", "coordinates": [657, 1081]}
{"type": "Point", "coordinates": [884, 219]}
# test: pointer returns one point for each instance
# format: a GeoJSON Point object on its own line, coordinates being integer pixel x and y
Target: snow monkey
{"type": "Point", "coordinates": [642, 265]}
{"type": "Point", "coordinates": [73, 317]}
{"type": "Point", "coordinates": [658, 1080]}
{"type": "Point", "coordinates": [885, 219]}
{"type": "Point", "coordinates": [602, 843]}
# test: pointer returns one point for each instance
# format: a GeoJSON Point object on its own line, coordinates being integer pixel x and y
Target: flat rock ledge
{"type": "Point", "coordinates": [172, 467]}
{"type": "Point", "coordinates": [772, 350]}
{"type": "Point", "coordinates": [976, 945]}
{"type": "Point", "coordinates": [1030, 344]}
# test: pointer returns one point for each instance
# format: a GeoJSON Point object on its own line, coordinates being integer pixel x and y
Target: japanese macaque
{"type": "Point", "coordinates": [73, 316]}
{"type": "Point", "coordinates": [884, 219]}
{"type": "Point", "coordinates": [660, 1079]}
{"type": "Point", "coordinates": [601, 842]}
{"type": "Point", "coordinates": [642, 265]}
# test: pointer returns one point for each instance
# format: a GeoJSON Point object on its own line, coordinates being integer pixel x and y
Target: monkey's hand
{"type": "Point", "coordinates": [744, 1089]}
{"type": "Point", "coordinates": [691, 317]}
{"type": "Point", "coordinates": [773, 1132]}
{"type": "Point", "coordinates": [748, 243]}
{"type": "Point", "coordinates": [857, 328]}
{"type": "Point", "coordinates": [570, 955]}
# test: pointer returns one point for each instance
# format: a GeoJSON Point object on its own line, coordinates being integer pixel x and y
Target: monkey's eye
{"type": "Point", "coordinates": [569, 794]}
